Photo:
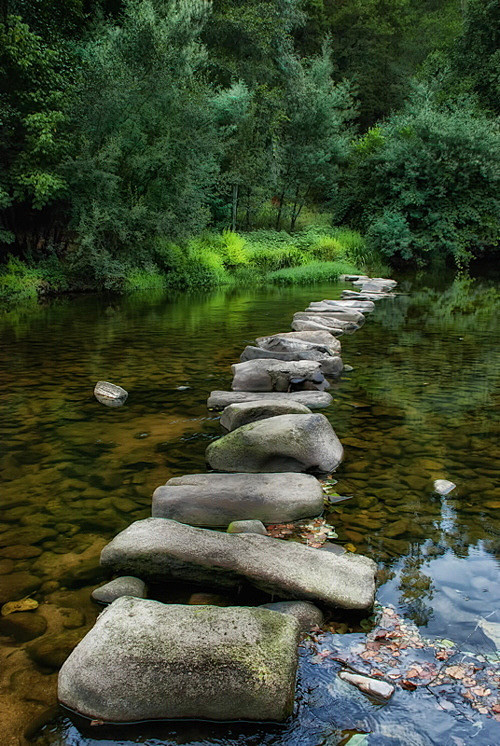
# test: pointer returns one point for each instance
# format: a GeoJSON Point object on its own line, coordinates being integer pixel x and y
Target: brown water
{"type": "Point", "coordinates": [421, 404]}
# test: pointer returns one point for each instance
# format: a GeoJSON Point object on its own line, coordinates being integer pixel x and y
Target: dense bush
{"type": "Point", "coordinates": [425, 184]}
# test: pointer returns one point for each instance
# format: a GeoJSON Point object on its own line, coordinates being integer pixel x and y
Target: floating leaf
{"type": "Point", "coordinates": [350, 547]}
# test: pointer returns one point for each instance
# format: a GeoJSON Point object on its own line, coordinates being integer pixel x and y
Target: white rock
{"type": "Point", "coordinates": [443, 486]}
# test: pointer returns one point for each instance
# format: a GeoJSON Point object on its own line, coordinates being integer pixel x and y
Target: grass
{"type": "Point", "coordinates": [318, 253]}
{"type": "Point", "coordinates": [312, 272]}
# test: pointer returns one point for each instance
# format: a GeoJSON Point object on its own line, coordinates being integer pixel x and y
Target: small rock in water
{"type": "Point", "coordinates": [374, 687]}
{"type": "Point", "coordinates": [348, 368]}
{"type": "Point", "coordinates": [443, 486]}
{"type": "Point", "coordinates": [182, 388]}
{"type": "Point", "coordinates": [247, 527]}
{"type": "Point", "coordinates": [126, 585]}
{"type": "Point", "coordinates": [110, 394]}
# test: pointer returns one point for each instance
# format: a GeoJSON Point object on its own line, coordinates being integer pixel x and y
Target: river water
{"type": "Point", "coordinates": [420, 404]}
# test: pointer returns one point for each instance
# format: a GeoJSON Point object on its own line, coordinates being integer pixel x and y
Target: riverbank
{"type": "Point", "coordinates": [316, 254]}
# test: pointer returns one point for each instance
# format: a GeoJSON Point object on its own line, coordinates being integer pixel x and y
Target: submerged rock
{"type": "Point", "coordinates": [110, 394]}
{"type": "Point", "coordinates": [277, 375]}
{"type": "Point", "coordinates": [443, 486]}
{"type": "Point", "coordinates": [374, 687]}
{"type": "Point", "coordinates": [311, 399]}
{"type": "Point", "coordinates": [162, 550]}
{"type": "Point", "coordinates": [247, 527]}
{"type": "Point", "coordinates": [237, 415]}
{"type": "Point", "coordinates": [23, 626]}
{"type": "Point", "coordinates": [145, 660]}
{"type": "Point", "coordinates": [219, 499]}
{"type": "Point", "coordinates": [307, 614]}
{"type": "Point", "coordinates": [353, 294]}
{"type": "Point", "coordinates": [289, 442]}
{"type": "Point", "coordinates": [126, 585]}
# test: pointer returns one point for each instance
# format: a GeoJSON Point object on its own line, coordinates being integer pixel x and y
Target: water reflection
{"type": "Point", "coordinates": [421, 404]}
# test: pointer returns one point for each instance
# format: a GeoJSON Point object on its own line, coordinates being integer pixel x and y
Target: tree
{"type": "Point", "coordinates": [314, 136]}
{"type": "Point", "coordinates": [145, 125]}
{"type": "Point", "coordinates": [425, 184]}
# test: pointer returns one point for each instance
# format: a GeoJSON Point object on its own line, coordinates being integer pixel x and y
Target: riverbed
{"type": "Point", "coordinates": [420, 404]}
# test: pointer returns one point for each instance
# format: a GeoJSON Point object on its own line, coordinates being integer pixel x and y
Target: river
{"type": "Point", "coordinates": [420, 404]}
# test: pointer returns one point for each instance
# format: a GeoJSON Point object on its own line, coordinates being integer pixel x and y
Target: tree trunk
{"type": "Point", "coordinates": [247, 221]}
{"type": "Point", "coordinates": [280, 209]}
{"type": "Point", "coordinates": [235, 207]}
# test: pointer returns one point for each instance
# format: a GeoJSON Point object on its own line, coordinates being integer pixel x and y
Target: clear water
{"type": "Point", "coordinates": [421, 404]}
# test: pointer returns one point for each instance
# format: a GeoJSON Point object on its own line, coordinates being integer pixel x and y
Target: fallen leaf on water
{"type": "Point", "coordinates": [410, 685]}
{"type": "Point", "coordinates": [25, 604]}
{"type": "Point", "coordinates": [456, 672]}
{"type": "Point", "coordinates": [350, 547]}
{"type": "Point", "coordinates": [481, 691]}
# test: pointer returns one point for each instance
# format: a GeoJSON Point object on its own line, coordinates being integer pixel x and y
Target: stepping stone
{"type": "Point", "coordinates": [276, 375]}
{"type": "Point", "coordinates": [237, 415]}
{"type": "Point", "coordinates": [330, 365]}
{"type": "Point", "coordinates": [219, 499]}
{"type": "Point", "coordinates": [309, 325]}
{"type": "Point", "coordinates": [364, 306]}
{"type": "Point", "coordinates": [110, 394]}
{"type": "Point", "coordinates": [144, 660]}
{"type": "Point", "coordinates": [127, 585]}
{"type": "Point", "coordinates": [353, 278]}
{"type": "Point", "coordinates": [288, 442]}
{"type": "Point", "coordinates": [330, 312]}
{"type": "Point", "coordinates": [326, 320]}
{"type": "Point", "coordinates": [350, 294]}
{"type": "Point", "coordinates": [161, 550]}
{"type": "Point", "coordinates": [322, 341]}
{"type": "Point", "coordinates": [311, 399]}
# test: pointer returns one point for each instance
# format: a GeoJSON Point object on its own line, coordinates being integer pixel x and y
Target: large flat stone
{"type": "Point", "coordinates": [342, 314]}
{"type": "Point", "coordinates": [220, 499]}
{"type": "Point", "coordinates": [364, 306]}
{"type": "Point", "coordinates": [288, 442]}
{"type": "Point", "coordinates": [320, 340]}
{"type": "Point", "coordinates": [327, 319]}
{"type": "Point", "coordinates": [353, 294]}
{"type": "Point", "coordinates": [311, 325]}
{"type": "Point", "coordinates": [237, 415]}
{"type": "Point", "coordinates": [277, 375]}
{"type": "Point", "coordinates": [311, 399]}
{"type": "Point", "coordinates": [160, 550]}
{"type": "Point", "coordinates": [144, 660]}
{"type": "Point", "coordinates": [330, 365]}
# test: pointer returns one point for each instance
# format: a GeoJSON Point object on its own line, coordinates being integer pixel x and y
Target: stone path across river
{"type": "Point", "coordinates": [150, 660]}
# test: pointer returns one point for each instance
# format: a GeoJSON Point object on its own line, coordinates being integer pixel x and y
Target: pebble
{"type": "Point", "coordinates": [443, 486]}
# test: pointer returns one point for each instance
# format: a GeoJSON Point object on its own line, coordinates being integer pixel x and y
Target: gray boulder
{"type": "Point", "coordinates": [327, 320]}
{"type": "Point", "coordinates": [330, 365]}
{"type": "Point", "coordinates": [126, 585]}
{"type": "Point", "coordinates": [144, 660]}
{"type": "Point", "coordinates": [307, 614]}
{"type": "Point", "coordinates": [110, 394]}
{"type": "Point", "coordinates": [276, 375]}
{"type": "Point", "coordinates": [288, 341]}
{"type": "Point", "coordinates": [219, 499]}
{"type": "Point", "coordinates": [352, 294]}
{"type": "Point", "coordinates": [353, 278]}
{"type": "Point", "coordinates": [161, 550]}
{"type": "Point", "coordinates": [237, 415]}
{"type": "Point", "coordinates": [311, 399]}
{"type": "Point", "coordinates": [247, 527]}
{"type": "Point", "coordinates": [310, 325]}
{"type": "Point", "coordinates": [288, 442]}
{"type": "Point", "coordinates": [347, 314]}
{"type": "Point", "coordinates": [364, 306]}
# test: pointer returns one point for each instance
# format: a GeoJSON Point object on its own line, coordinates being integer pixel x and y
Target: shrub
{"type": "Point", "coordinates": [19, 281]}
{"type": "Point", "coordinates": [426, 184]}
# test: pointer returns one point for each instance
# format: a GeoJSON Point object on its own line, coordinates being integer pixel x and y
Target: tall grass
{"type": "Point", "coordinates": [318, 253]}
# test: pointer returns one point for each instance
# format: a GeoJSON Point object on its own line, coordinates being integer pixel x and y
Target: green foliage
{"type": "Point", "coordinates": [19, 281]}
{"type": "Point", "coordinates": [311, 273]}
{"type": "Point", "coordinates": [430, 187]}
